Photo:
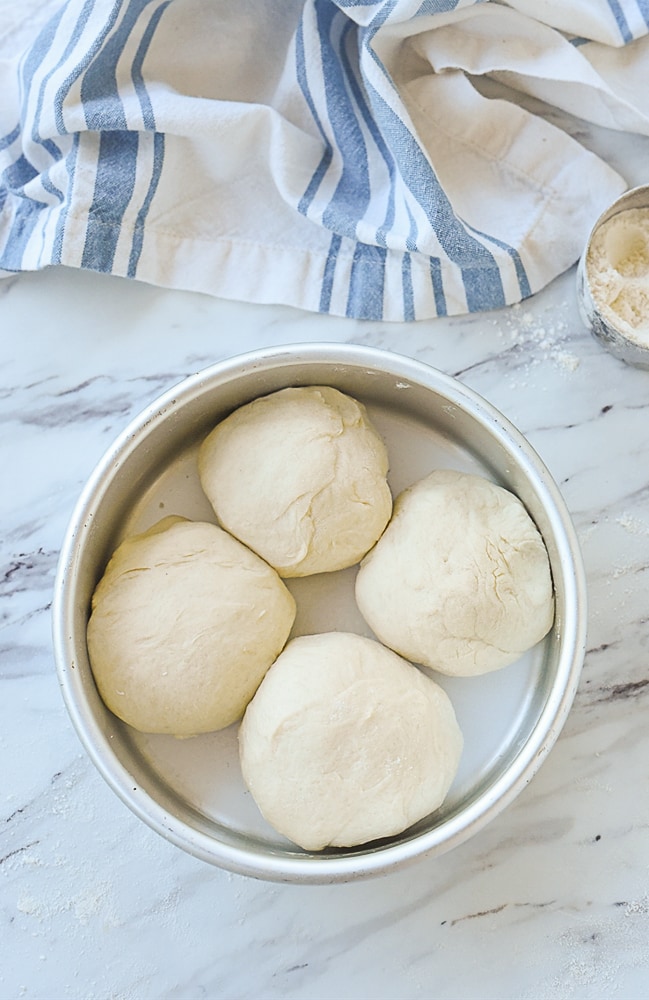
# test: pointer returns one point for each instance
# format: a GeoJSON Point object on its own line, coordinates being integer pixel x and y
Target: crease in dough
{"type": "Point", "coordinates": [299, 476]}
{"type": "Point", "coordinates": [460, 580]}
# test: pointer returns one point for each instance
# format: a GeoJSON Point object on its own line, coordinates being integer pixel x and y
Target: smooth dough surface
{"type": "Point", "coordinates": [460, 580]}
{"type": "Point", "coordinates": [345, 742]}
{"type": "Point", "coordinates": [300, 477]}
{"type": "Point", "coordinates": [185, 623]}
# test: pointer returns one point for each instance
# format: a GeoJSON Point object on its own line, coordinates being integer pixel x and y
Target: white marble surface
{"type": "Point", "coordinates": [551, 900]}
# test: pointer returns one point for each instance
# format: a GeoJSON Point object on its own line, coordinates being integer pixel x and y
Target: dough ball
{"type": "Point", "coordinates": [345, 742]}
{"type": "Point", "coordinates": [300, 477]}
{"type": "Point", "coordinates": [185, 623]}
{"type": "Point", "coordinates": [460, 580]}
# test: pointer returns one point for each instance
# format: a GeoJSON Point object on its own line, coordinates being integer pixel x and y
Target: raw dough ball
{"type": "Point", "coordinates": [460, 580]}
{"type": "Point", "coordinates": [300, 477]}
{"type": "Point", "coordinates": [345, 742]}
{"type": "Point", "coordinates": [185, 623]}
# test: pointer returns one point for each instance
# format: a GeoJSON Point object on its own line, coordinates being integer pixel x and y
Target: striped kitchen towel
{"type": "Point", "coordinates": [373, 159]}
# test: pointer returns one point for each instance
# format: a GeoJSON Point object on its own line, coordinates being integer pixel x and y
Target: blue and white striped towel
{"type": "Point", "coordinates": [336, 155]}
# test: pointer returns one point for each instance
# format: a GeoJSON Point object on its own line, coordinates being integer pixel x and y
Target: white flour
{"type": "Point", "coordinates": [617, 267]}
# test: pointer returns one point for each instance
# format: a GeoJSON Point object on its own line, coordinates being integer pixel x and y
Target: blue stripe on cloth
{"type": "Point", "coordinates": [480, 274]}
{"type": "Point", "coordinates": [359, 3]}
{"type": "Point", "coordinates": [411, 238]}
{"type": "Point", "coordinates": [479, 286]}
{"type": "Point", "coordinates": [352, 195]}
{"type": "Point", "coordinates": [482, 280]}
{"type": "Point", "coordinates": [50, 187]}
{"type": "Point", "coordinates": [136, 71]}
{"type": "Point", "coordinates": [70, 166]}
{"type": "Point", "coordinates": [366, 283]}
{"type": "Point", "coordinates": [138, 232]}
{"type": "Point", "coordinates": [438, 6]}
{"type": "Point", "coordinates": [385, 9]}
{"type": "Point", "coordinates": [71, 159]}
{"type": "Point", "coordinates": [158, 137]}
{"type": "Point", "coordinates": [519, 267]}
{"type": "Point", "coordinates": [9, 139]}
{"type": "Point", "coordinates": [438, 287]}
{"type": "Point", "coordinates": [620, 20]}
{"type": "Point", "coordinates": [323, 166]}
{"type": "Point", "coordinates": [26, 217]}
{"type": "Point", "coordinates": [329, 271]}
{"type": "Point", "coordinates": [37, 55]}
{"type": "Point", "coordinates": [377, 22]}
{"type": "Point", "coordinates": [521, 273]}
{"type": "Point", "coordinates": [643, 7]}
{"type": "Point", "coordinates": [315, 182]}
{"type": "Point", "coordinates": [89, 55]}
{"type": "Point", "coordinates": [406, 281]}
{"type": "Point", "coordinates": [49, 144]}
{"type": "Point", "coordinates": [38, 51]}
{"type": "Point", "coordinates": [368, 119]}
{"type": "Point", "coordinates": [102, 106]}
{"type": "Point", "coordinates": [114, 183]}
{"type": "Point", "coordinates": [19, 173]}
{"type": "Point", "coordinates": [118, 149]}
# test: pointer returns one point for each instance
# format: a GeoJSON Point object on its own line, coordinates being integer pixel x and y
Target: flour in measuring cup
{"type": "Point", "coordinates": [617, 268]}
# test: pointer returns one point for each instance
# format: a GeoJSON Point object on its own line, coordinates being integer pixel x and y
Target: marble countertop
{"type": "Point", "coordinates": [550, 900]}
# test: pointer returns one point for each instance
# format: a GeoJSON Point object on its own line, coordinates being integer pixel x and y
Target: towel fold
{"type": "Point", "coordinates": [341, 157]}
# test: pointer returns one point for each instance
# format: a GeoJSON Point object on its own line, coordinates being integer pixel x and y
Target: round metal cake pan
{"type": "Point", "coordinates": [191, 791]}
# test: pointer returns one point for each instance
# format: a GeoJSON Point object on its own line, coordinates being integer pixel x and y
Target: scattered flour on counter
{"type": "Point", "coordinates": [637, 907]}
{"type": "Point", "coordinates": [542, 339]}
{"type": "Point", "coordinates": [83, 905]}
{"type": "Point", "coordinates": [617, 268]}
{"type": "Point", "coordinates": [585, 534]}
{"type": "Point", "coordinates": [634, 525]}
{"type": "Point", "coordinates": [588, 969]}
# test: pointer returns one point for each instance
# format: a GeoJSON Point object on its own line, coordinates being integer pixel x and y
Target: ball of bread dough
{"type": "Point", "coordinates": [300, 477]}
{"type": "Point", "coordinates": [185, 623]}
{"type": "Point", "coordinates": [460, 580]}
{"type": "Point", "coordinates": [344, 742]}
